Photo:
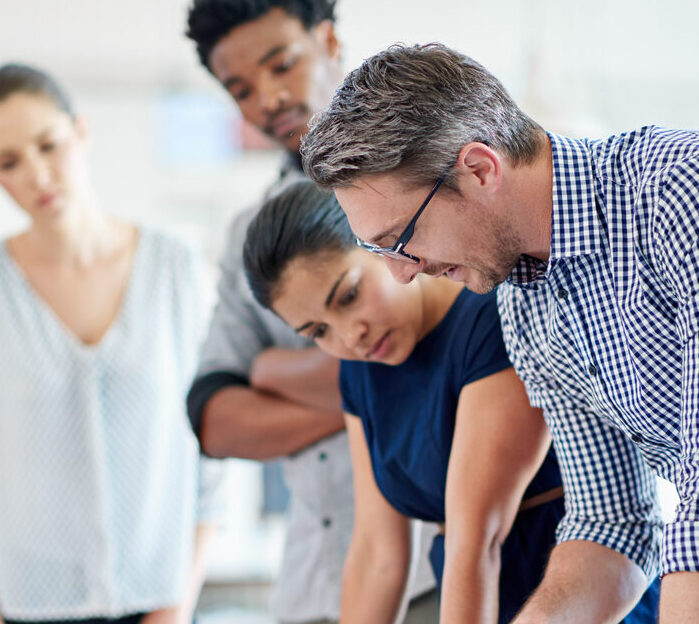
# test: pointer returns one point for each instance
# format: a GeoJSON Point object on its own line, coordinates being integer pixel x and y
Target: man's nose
{"type": "Point", "coordinates": [403, 272]}
{"type": "Point", "coordinates": [272, 95]}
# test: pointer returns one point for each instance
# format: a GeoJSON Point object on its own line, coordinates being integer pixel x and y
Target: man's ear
{"type": "Point", "coordinates": [324, 32]}
{"type": "Point", "coordinates": [478, 165]}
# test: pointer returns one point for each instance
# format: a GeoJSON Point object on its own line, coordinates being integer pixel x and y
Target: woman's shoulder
{"type": "Point", "coordinates": [472, 338]}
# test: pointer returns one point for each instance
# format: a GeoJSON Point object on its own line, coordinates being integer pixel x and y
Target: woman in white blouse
{"type": "Point", "coordinates": [105, 506]}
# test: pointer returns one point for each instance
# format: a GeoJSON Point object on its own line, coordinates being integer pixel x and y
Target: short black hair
{"type": "Point", "coordinates": [18, 78]}
{"type": "Point", "coordinates": [301, 221]}
{"type": "Point", "coordinates": [211, 20]}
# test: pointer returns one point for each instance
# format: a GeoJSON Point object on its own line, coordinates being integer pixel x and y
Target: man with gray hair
{"type": "Point", "coordinates": [597, 246]}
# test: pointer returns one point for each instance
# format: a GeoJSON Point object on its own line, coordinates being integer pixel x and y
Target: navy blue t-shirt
{"type": "Point", "coordinates": [409, 411]}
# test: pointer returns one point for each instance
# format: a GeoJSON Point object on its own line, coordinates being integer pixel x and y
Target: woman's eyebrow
{"type": "Point", "coordinates": [328, 300]}
{"type": "Point", "coordinates": [304, 326]}
{"type": "Point", "coordinates": [333, 290]}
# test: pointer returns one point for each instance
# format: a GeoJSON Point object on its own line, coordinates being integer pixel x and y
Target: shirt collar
{"type": "Point", "coordinates": [577, 227]}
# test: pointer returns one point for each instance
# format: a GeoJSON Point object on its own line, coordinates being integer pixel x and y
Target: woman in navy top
{"type": "Point", "coordinates": [440, 427]}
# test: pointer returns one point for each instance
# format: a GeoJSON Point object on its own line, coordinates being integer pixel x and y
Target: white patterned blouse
{"type": "Point", "coordinates": [101, 483]}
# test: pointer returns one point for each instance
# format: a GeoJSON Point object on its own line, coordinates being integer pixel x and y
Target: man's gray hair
{"type": "Point", "coordinates": [414, 108]}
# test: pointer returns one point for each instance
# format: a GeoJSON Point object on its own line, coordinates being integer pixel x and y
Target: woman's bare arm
{"type": "Point", "coordinates": [499, 444]}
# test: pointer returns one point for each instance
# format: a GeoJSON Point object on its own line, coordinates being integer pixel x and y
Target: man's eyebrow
{"type": "Point", "coordinates": [273, 52]}
{"type": "Point", "coordinates": [229, 82]}
{"type": "Point", "coordinates": [383, 235]}
{"type": "Point", "coordinates": [333, 290]}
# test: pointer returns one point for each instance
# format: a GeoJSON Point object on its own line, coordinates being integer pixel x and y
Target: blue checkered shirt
{"type": "Point", "coordinates": [605, 338]}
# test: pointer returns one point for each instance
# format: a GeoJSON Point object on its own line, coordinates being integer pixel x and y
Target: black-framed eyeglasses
{"type": "Point", "coordinates": [396, 250]}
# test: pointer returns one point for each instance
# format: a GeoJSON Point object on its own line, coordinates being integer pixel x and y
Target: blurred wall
{"type": "Point", "coordinates": [582, 68]}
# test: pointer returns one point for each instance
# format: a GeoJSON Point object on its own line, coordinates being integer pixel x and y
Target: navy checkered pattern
{"type": "Point", "coordinates": [604, 336]}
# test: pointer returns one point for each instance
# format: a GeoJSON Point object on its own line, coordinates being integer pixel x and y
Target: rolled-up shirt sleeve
{"type": "Point", "coordinates": [610, 493]}
{"type": "Point", "coordinates": [675, 256]}
{"type": "Point", "coordinates": [236, 333]}
{"type": "Point", "coordinates": [240, 329]}
{"type": "Point", "coordinates": [681, 535]}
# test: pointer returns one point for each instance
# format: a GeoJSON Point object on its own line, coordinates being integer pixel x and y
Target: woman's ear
{"type": "Point", "coordinates": [82, 128]}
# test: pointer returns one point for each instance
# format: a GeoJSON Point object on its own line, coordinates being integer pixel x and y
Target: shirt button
{"type": "Point", "coordinates": [327, 522]}
{"type": "Point", "coordinates": [322, 456]}
{"type": "Point", "coordinates": [636, 438]}
{"type": "Point", "coordinates": [562, 294]}
{"type": "Point", "coordinates": [592, 369]}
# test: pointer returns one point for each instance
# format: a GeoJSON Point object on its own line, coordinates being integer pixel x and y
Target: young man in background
{"type": "Point", "coordinates": [261, 391]}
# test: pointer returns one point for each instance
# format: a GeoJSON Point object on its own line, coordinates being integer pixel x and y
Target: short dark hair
{"type": "Point", "coordinates": [18, 78]}
{"type": "Point", "coordinates": [211, 20]}
{"type": "Point", "coordinates": [413, 108]}
{"type": "Point", "coordinates": [301, 221]}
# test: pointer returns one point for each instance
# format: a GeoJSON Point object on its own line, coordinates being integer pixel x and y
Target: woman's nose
{"type": "Point", "coordinates": [353, 334]}
{"type": "Point", "coordinates": [38, 172]}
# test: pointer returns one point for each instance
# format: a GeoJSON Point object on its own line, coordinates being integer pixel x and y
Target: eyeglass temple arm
{"type": "Point", "coordinates": [408, 232]}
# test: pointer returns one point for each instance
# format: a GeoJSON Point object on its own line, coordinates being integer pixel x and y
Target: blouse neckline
{"type": "Point", "coordinates": [49, 313]}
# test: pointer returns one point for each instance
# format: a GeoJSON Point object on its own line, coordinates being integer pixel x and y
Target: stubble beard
{"type": "Point", "coordinates": [505, 245]}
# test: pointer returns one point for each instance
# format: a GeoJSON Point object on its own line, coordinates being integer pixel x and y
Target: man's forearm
{"type": "Point", "coordinates": [305, 376]}
{"type": "Point", "coordinates": [679, 598]}
{"type": "Point", "coordinates": [239, 421]}
{"type": "Point", "coordinates": [585, 583]}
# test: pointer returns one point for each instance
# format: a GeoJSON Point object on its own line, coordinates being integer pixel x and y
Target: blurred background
{"type": "Point", "coordinates": [169, 148]}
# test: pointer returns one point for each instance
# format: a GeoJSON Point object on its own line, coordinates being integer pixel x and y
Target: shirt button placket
{"type": "Point", "coordinates": [326, 521]}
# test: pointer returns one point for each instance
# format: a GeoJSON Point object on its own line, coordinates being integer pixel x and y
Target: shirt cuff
{"type": "Point", "coordinates": [680, 547]}
{"type": "Point", "coordinates": [638, 541]}
{"type": "Point", "coordinates": [203, 389]}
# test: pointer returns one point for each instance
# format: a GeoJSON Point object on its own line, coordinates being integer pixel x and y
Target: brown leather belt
{"type": "Point", "coordinates": [540, 499]}
{"type": "Point", "coordinates": [533, 501]}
